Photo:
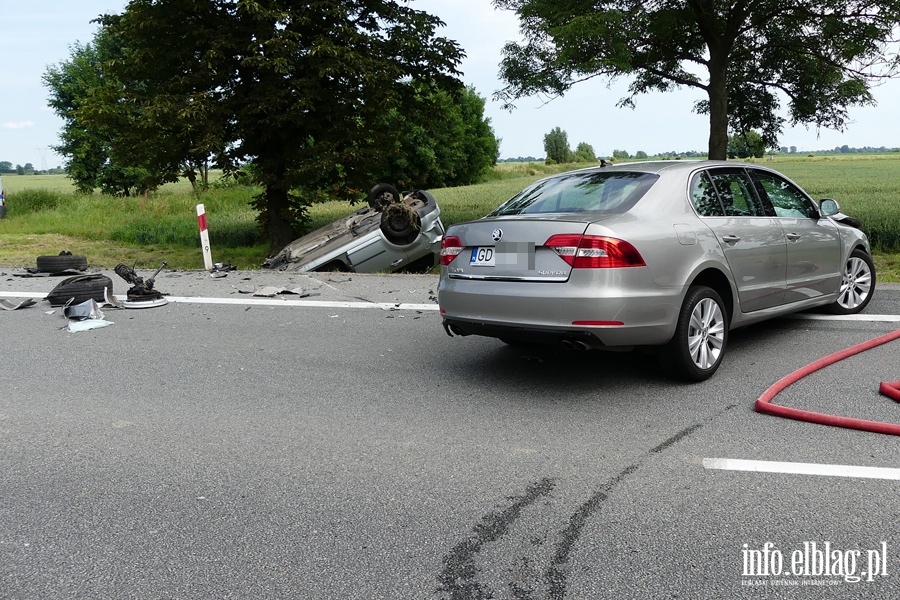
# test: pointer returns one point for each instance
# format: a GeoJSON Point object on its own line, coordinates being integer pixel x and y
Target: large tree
{"type": "Point", "coordinates": [747, 56]}
{"type": "Point", "coordinates": [439, 139]}
{"type": "Point", "coordinates": [297, 88]}
{"type": "Point", "coordinates": [87, 146]}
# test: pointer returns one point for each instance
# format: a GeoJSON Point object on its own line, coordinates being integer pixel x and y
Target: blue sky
{"type": "Point", "coordinates": [34, 35]}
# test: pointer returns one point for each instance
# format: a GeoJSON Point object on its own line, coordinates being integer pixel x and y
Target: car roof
{"type": "Point", "coordinates": [660, 166]}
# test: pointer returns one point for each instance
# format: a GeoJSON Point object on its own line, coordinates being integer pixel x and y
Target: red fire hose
{"type": "Point", "coordinates": [890, 389]}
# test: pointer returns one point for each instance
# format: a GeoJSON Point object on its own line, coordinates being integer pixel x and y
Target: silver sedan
{"type": "Point", "coordinates": [672, 254]}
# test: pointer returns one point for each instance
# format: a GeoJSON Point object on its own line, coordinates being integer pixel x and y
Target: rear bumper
{"type": "Point", "coordinates": [602, 308]}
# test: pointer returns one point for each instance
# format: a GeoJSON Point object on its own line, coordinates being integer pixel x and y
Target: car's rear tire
{"type": "Point", "coordinates": [383, 195]}
{"type": "Point", "coordinates": [701, 336]}
{"type": "Point", "coordinates": [857, 284]}
{"type": "Point", "coordinates": [400, 224]}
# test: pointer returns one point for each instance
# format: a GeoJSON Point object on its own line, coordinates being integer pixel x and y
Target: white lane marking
{"type": "Point", "coordinates": [253, 301]}
{"type": "Point", "coordinates": [764, 466]}
{"type": "Point", "coordinates": [303, 303]}
{"type": "Point", "coordinates": [402, 306]}
{"type": "Point", "coordinates": [872, 318]}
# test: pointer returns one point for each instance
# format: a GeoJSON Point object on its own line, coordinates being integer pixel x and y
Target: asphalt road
{"type": "Point", "coordinates": [267, 448]}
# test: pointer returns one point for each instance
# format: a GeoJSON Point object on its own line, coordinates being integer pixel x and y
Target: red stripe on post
{"type": "Point", "coordinates": [201, 220]}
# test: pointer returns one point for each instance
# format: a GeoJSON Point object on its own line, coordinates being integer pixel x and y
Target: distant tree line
{"type": "Point", "coordinates": [28, 169]}
{"type": "Point", "coordinates": [749, 144]}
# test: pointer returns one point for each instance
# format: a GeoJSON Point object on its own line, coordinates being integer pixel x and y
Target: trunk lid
{"type": "Point", "coordinates": [512, 248]}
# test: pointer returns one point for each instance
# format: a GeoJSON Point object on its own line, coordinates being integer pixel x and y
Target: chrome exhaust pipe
{"type": "Point", "coordinates": [574, 344]}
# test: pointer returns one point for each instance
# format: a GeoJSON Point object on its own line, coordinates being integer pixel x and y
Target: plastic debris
{"type": "Point", "coordinates": [7, 305]}
{"type": "Point", "coordinates": [85, 316]}
{"type": "Point", "coordinates": [270, 291]}
{"type": "Point", "coordinates": [89, 309]}
{"type": "Point", "coordinates": [78, 326]}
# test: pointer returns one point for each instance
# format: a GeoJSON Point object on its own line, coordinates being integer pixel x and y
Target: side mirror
{"type": "Point", "coordinates": [829, 207]}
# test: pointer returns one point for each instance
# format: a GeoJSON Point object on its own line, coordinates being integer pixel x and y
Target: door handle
{"type": "Point", "coordinates": [792, 236]}
{"type": "Point", "coordinates": [396, 262]}
{"type": "Point", "coordinates": [730, 239]}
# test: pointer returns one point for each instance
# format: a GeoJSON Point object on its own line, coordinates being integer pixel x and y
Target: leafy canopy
{"type": "Point", "coordinates": [747, 56]}
{"type": "Point", "coordinates": [439, 139]}
{"type": "Point", "coordinates": [90, 162]}
{"type": "Point", "coordinates": [298, 89]}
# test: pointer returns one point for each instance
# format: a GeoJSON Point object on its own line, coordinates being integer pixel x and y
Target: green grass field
{"type": "Point", "coordinates": [45, 216]}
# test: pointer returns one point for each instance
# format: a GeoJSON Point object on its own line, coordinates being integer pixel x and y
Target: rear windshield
{"type": "Point", "coordinates": [609, 192]}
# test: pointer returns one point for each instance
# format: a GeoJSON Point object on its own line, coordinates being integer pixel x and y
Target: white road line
{"type": "Point", "coordinates": [872, 318]}
{"type": "Point", "coordinates": [302, 303]}
{"type": "Point", "coordinates": [763, 466]}
{"type": "Point", "coordinates": [254, 301]}
{"type": "Point", "coordinates": [24, 295]}
{"type": "Point", "coordinates": [250, 301]}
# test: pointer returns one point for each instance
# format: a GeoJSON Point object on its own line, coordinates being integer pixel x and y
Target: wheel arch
{"type": "Point", "coordinates": [717, 280]}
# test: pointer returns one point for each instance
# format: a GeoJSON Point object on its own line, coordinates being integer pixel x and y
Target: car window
{"type": "Point", "coordinates": [614, 192]}
{"type": "Point", "coordinates": [704, 197]}
{"type": "Point", "coordinates": [735, 190]}
{"type": "Point", "coordinates": [787, 198]}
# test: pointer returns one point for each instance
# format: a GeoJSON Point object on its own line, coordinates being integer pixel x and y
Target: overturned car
{"type": "Point", "coordinates": [393, 233]}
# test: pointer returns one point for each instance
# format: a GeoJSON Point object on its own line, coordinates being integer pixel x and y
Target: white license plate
{"type": "Point", "coordinates": [483, 256]}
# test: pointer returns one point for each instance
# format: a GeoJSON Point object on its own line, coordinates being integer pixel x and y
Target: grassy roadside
{"type": "Point", "coordinates": [45, 216]}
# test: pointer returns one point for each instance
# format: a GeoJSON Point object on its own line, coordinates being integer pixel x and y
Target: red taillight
{"type": "Point", "coordinates": [594, 251]}
{"type": "Point", "coordinates": [451, 246]}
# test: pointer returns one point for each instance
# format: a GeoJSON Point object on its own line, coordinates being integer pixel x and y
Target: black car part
{"type": "Point", "coordinates": [64, 261]}
{"type": "Point", "coordinates": [80, 288]}
{"type": "Point", "coordinates": [142, 289]}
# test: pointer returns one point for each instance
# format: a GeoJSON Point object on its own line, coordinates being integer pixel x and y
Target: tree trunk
{"type": "Point", "coordinates": [718, 109]}
{"type": "Point", "coordinates": [278, 218]}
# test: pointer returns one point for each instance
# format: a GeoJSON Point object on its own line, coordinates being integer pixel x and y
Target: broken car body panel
{"type": "Point", "coordinates": [404, 234]}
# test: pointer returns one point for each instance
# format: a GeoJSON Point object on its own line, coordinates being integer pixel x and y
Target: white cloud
{"type": "Point", "coordinates": [19, 125]}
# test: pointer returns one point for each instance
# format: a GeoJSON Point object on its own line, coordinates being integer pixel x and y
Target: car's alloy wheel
{"type": "Point", "coordinates": [857, 284]}
{"type": "Point", "coordinates": [701, 335]}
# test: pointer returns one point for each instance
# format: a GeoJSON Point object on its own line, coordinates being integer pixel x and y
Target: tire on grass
{"type": "Point", "coordinates": [61, 262]}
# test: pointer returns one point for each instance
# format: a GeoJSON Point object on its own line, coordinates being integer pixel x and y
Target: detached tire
{"type": "Point", "coordinates": [61, 262]}
{"type": "Point", "coordinates": [701, 336]}
{"type": "Point", "coordinates": [79, 289]}
{"type": "Point", "coordinates": [857, 285]}
{"type": "Point", "coordinates": [383, 195]}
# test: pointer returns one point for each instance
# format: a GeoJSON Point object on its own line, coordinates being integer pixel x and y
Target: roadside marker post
{"type": "Point", "coordinates": [204, 237]}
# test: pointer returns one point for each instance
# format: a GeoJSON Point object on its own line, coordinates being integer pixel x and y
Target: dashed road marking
{"type": "Point", "coordinates": [764, 466]}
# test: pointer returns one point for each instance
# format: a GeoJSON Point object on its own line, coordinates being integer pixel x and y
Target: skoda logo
{"type": "Point", "coordinates": [497, 234]}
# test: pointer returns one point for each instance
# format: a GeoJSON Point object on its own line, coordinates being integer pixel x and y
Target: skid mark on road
{"type": "Point", "coordinates": [557, 574]}
{"type": "Point", "coordinates": [458, 578]}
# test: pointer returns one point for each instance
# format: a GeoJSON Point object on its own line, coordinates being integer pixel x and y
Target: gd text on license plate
{"type": "Point", "coordinates": [482, 256]}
